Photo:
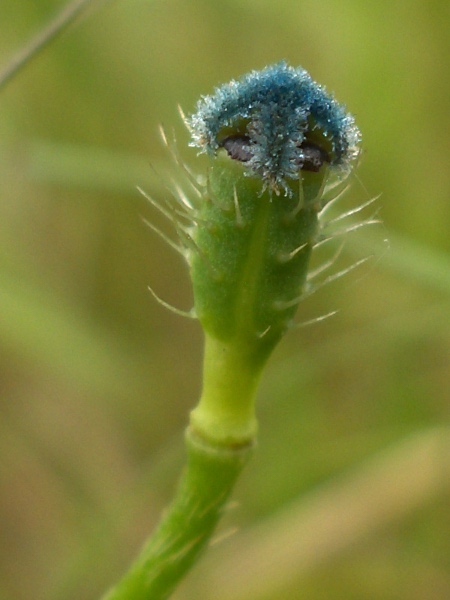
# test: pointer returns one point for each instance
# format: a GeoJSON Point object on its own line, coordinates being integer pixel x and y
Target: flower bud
{"type": "Point", "coordinates": [273, 138]}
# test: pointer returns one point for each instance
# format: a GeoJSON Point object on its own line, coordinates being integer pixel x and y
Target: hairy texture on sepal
{"type": "Point", "coordinates": [252, 256]}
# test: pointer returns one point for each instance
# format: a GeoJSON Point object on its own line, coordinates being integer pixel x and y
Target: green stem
{"type": "Point", "coordinates": [189, 523]}
{"type": "Point", "coordinates": [225, 414]}
{"type": "Point", "coordinates": [221, 434]}
{"type": "Point", "coordinates": [219, 441]}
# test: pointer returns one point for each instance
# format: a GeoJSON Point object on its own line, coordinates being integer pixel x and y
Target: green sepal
{"type": "Point", "coordinates": [253, 253]}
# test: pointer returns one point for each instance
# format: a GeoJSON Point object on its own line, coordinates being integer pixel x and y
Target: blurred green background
{"type": "Point", "coordinates": [347, 495]}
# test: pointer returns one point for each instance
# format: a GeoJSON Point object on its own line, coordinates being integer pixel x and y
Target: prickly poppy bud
{"type": "Point", "coordinates": [274, 139]}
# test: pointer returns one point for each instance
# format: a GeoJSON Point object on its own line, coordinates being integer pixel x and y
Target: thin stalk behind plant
{"type": "Point", "coordinates": [247, 231]}
{"type": "Point", "coordinates": [69, 13]}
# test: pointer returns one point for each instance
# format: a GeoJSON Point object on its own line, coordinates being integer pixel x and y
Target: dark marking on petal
{"type": "Point", "coordinates": [238, 147]}
{"type": "Point", "coordinates": [314, 157]}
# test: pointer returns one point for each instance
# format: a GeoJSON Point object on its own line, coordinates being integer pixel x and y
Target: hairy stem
{"type": "Point", "coordinates": [189, 523]}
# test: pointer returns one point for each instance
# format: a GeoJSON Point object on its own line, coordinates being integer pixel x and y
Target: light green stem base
{"type": "Point", "coordinates": [225, 415]}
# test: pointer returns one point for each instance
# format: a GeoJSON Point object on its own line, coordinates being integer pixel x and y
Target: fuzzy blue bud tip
{"type": "Point", "coordinates": [277, 122]}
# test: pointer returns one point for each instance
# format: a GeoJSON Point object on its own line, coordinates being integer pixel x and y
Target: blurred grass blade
{"type": "Point", "coordinates": [38, 326]}
{"type": "Point", "coordinates": [43, 38]}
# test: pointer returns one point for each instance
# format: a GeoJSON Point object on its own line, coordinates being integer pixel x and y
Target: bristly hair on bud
{"type": "Point", "coordinates": [278, 122]}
